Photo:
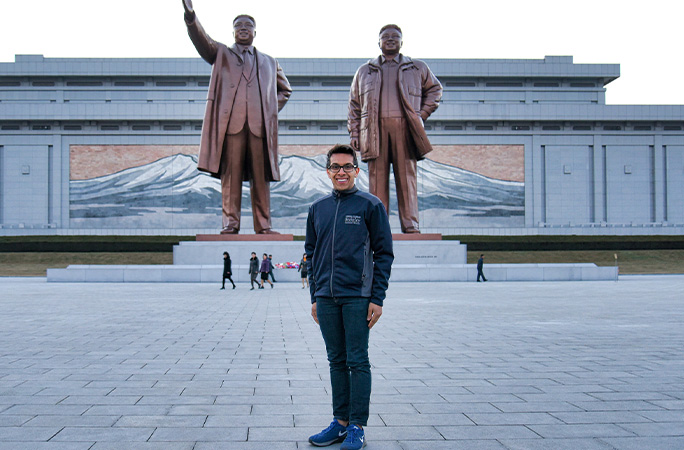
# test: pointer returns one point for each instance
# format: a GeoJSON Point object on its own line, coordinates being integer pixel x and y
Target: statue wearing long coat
{"type": "Point", "coordinates": [225, 75]}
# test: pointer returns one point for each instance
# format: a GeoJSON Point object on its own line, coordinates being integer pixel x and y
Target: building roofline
{"type": "Point", "coordinates": [549, 67]}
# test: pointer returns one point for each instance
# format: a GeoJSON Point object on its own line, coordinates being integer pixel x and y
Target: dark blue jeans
{"type": "Point", "coordinates": [345, 332]}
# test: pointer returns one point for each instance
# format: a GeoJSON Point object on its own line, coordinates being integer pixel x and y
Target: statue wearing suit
{"type": "Point", "coordinates": [390, 98]}
{"type": "Point", "coordinates": [240, 130]}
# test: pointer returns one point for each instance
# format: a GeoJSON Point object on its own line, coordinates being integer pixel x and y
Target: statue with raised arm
{"type": "Point", "coordinates": [390, 98]}
{"type": "Point", "coordinates": [240, 130]}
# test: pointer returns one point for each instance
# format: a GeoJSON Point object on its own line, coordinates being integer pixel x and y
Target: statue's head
{"type": "Point", "coordinates": [244, 29]}
{"type": "Point", "coordinates": [390, 39]}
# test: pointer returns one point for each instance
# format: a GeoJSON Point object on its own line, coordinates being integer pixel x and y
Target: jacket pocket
{"type": "Point", "coordinates": [415, 91]}
{"type": "Point", "coordinates": [415, 97]}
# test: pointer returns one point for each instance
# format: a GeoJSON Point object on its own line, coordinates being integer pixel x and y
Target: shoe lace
{"type": "Point", "coordinates": [353, 434]}
{"type": "Point", "coordinates": [332, 425]}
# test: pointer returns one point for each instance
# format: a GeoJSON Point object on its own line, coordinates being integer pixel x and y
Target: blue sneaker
{"type": "Point", "coordinates": [333, 434]}
{"type": "Point", "coordinates": [355, 440]}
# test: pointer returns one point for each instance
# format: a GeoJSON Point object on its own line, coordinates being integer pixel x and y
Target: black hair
{"type": "Point", "coordinates": [249, 17]}
{"type": "Point", "coordinates": [390, 25]}
{"type": "Point", "coordinates": [343, 149]}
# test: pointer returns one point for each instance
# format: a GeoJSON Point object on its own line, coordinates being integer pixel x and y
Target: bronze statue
{"type": "Point", "coordinates": [390, 99]}
{"type": "Point", "coordinates": [240, 130]}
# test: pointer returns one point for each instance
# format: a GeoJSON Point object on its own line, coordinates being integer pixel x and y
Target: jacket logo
{"type": "Point", "coordinates": [352, 220]}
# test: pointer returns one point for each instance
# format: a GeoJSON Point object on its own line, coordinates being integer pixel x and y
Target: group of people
{"type": "Point", "coordinates": [265, 269]}
{"type": "Point", "coordinates": [255, 268]}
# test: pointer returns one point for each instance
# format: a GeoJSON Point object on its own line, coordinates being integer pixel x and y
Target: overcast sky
{"type": "Point", "coordinates": [643, 37]}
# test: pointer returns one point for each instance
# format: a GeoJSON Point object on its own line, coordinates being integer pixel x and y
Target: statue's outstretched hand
{"type": "Point", "coordinates": [189, 10]}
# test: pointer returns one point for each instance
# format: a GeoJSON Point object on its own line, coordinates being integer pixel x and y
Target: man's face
{"type": "Point", "coordinates": [342, 180]}
{"type": "Point", "coordinates": [244, 31]}
{"type": "Point", "coordinates": [390, 42]}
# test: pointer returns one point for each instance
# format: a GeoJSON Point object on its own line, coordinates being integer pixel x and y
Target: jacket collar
{"type": "Point", "coordinates": [239, 48]}
{"type": "Point", "coordinates": [401, 60]}
{"type": "Point", "coordinates": [345, 193]}
{"type": "Point", "coordinates": [238, 51]}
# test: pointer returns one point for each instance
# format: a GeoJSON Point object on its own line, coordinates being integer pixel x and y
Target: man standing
{"type": "Point", "coordinates": [240, 129]}
{"type": "Point", "coordinates": [480, 263]}
{"type": "Point", "coordinates": [349, 259]}
{"type": "Point", "coordinates": [390, 99]}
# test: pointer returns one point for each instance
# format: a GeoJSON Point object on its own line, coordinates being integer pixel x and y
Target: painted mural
{"type": "Point", "coordinates": [160, 187]}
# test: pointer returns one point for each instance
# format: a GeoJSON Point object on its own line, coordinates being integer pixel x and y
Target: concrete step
{"type": "Point", "coordinates": [400, 272]}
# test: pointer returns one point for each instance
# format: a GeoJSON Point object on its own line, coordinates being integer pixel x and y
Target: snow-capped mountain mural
{"type": "Point", "coordinates": [172, 193]}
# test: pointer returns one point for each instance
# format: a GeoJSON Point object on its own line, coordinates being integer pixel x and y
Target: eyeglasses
{"type": "Point", "coordinates": [349, 168]}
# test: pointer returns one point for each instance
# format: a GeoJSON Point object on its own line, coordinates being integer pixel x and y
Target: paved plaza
{"type": "Point", "coordinates": [509, 365]}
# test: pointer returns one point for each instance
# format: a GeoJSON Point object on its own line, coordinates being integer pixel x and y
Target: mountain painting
{"type": "Point", "coordinates": [170, 192]}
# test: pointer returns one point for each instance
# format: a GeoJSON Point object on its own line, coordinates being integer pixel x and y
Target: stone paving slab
{"type": "Point", "coordinates": [478, 366]}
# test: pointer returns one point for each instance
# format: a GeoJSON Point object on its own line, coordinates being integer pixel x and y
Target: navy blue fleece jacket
{"type": "Point", "coordinates": [348, 246]}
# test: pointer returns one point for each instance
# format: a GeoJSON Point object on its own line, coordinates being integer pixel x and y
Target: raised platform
{"type": "Point", "coordinates": [405, 251]}
{"type": "Point", "coordinates": [244, 237]}
{"type": "Point", "coordinates": [290, 237]}
{"type": "Point", "coordinates": [400, 272]}
{"type": "Point", "coordinates": [418, 257]}
{"type": "Point", "coordinates": [417, 237]}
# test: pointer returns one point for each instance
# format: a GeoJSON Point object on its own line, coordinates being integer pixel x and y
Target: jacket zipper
{"type": "Point", "coordinates": [332, 250]}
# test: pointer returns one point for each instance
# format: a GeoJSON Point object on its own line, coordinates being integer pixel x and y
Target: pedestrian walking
{"type": "Point", "coordinates": [480, 263]}
{"type": "Point", "coordinates": [265, 269]}
{"type": "Point", "coordinates": [304, 273]}
{"type": "Point", "coordinates": [270, 272]}
{"type": "Point", "coordinates": [253, 270]}
{"type": "Point", "coordinates": [227, 271]}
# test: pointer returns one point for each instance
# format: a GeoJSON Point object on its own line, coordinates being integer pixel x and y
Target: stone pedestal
{"type": "Point", "coordinates": [243, 237]}
{"type": "Point", "coordinates": [420, 257]}
{"type": "Point", "coordinates": [419, 250]}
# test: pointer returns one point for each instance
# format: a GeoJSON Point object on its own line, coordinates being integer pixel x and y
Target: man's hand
{"type": "Point", "coordinates": [314, 314]}
{"type": "Point", "coordinates": [354, 143]}
{"type": "Point", "coordinates": [374, 313]}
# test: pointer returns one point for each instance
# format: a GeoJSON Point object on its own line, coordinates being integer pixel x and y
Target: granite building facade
{"type": "Point", "coordinates": [92, 146]}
